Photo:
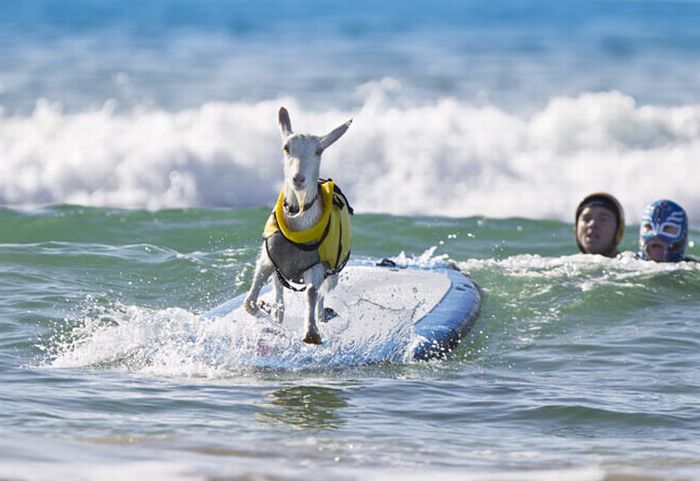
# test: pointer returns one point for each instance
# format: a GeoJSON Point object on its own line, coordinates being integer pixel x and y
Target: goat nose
{"type": "Point", "coordinates": [299, 180]}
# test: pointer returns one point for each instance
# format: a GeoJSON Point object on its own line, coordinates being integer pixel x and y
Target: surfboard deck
{"type": "Point", "coordinates": [438, 304]}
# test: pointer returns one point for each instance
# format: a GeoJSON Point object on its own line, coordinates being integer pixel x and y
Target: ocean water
{"type": "Point", "coordinates": [578, 367]}
{"type": "Point", "coordinates": [139, 156]}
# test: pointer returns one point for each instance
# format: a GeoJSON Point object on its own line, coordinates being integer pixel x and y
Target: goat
{"type": "Point", "coordinates": [297, 245]}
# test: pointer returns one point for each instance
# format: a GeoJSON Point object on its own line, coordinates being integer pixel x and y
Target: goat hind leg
{"type": "Point", "coordinates": [325, 314]}
{"type": "Point", "coordinates": [278, 310]}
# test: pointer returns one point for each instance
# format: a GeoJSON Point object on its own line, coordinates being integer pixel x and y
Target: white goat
{"type": "Point", "coordinates": [303, 207]}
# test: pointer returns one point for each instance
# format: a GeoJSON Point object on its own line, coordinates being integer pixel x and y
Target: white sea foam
{"type": "Point", "coordinates": [444, 157]}
{"type": "Point", "coordinates": [176, 342]}
{"type": "Point", "coordinates": [578, 265]}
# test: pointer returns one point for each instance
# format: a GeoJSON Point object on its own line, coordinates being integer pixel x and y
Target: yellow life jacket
{"type": "Point", "coordinates": [328, 241]}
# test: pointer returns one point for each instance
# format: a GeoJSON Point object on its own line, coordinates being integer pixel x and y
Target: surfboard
{"type": "Point", "coordinates": [435, 306]}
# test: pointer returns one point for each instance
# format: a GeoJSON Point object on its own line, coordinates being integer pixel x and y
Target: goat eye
{"type": "Point", "coordinates": [319, 151]}
{"type": "Point", "coordinates": [286, 148]}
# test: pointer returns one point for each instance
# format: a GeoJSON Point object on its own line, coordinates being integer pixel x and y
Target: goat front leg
{"type": "Point", "coordinates": [263, 270]}
{"type": "Point", "coordinates": [279, 300]}
{"type": "Point", "coordinates": [313, 278]}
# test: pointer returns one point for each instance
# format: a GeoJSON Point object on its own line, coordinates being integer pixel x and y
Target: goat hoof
{"type": "Point", "coordinates": [328, 314]}
{"type": "Point", "coordinates": [265, 307]}
{"type": "Point", "coordinates": [257, 309]}
{"type": "Point", "coordinates": [312, 338]}
{"type": "Point", "coordinates": [251, 307]}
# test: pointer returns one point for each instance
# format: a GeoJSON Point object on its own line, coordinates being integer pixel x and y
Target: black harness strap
{"type": "Point", "coordinates": [293, 209]}
{"type": "Point", "coordinates": [285, 282]}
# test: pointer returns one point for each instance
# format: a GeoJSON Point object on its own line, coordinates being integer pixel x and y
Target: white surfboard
{"type": "Point", "coordinates": [434, 307]}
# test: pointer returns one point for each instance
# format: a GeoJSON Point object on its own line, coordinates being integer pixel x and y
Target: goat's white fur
{"type": "Point", "coordinates": [302, 161]}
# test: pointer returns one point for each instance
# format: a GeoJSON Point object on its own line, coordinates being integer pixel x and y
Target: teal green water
{"type": "Point", "coordinates": [578, 367]}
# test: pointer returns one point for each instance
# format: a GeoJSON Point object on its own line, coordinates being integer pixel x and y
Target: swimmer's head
{"type": "Point", "coordinates": [663, 232]}
{"type": "Point", "coordinates": [600, 223]}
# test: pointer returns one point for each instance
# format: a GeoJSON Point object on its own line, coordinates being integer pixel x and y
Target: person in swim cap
{"type": "Point", "coordinates": [600, 222]}
{"type": "Point", "coordinates": [663, 232]}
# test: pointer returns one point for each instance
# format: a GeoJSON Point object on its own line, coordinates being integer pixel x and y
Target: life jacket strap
{"type": "Point", "coordinates": [339, 198]}
{"type": "Point", "coordinates": [289, 284]}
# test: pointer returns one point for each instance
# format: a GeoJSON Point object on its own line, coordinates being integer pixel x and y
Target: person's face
{"type": "Point", "coordinates": [657, 236]}
{"type": "Point", "coordinates": [595, 230]}
{"type": "Point", "coordinates": [655, 250]}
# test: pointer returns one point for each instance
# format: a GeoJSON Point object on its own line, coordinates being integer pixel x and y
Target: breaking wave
{"type": "Point", "coordinates": [442, 157]}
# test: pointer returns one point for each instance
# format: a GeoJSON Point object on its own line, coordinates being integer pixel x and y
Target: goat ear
{"type": "Point", "coordinates": [335, 135]}
{"type": "Point", "coordinates": [285, 123]}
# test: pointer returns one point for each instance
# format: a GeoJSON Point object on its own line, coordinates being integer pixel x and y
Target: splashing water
{"type": "Point", "coordinates": [176, 342]}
